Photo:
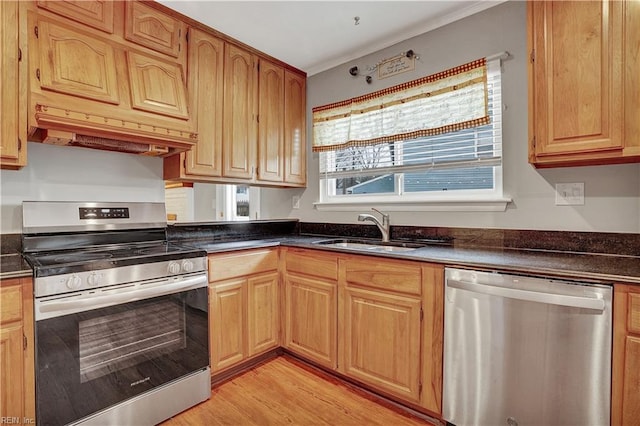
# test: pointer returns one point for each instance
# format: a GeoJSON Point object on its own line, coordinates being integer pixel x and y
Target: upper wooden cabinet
{"type": "Point", "coordinates": [157, 86]}
{"type": "Point", "coordinates": [205, 85]}
{"type": "Point", "coordinates": [13, 90]}
{"type": "Point", "coordinates": [151, 28]}
{"type": "Point", "coordinates": [295, 129]}
{"type": "Point", "coordinates": [97, 79]}
{"type": "Point", "coordinates": [271, 123]}
{"type": "Point", "coordinates": [583, 82]}
{"type": "Point", "coordinates": [240, 113]}
{"type": "Point", "coordinates": [96, 14]}
{"type": "Point", "coordinates": [250, 115]}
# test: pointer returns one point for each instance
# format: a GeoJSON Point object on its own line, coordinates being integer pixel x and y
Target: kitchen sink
{"type": "Point", "coordinates": [365, 245]}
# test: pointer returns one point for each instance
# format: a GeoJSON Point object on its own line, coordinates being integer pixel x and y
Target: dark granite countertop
{"type": "Point", "coordinates": [14, 266]}
{"type": "Point", "coordinates": [583, 266]}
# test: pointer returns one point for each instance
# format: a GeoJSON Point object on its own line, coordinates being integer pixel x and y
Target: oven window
{"type": "Point", "coordinates": [124, 339]}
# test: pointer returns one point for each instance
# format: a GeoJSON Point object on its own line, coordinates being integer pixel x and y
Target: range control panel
{"type": "Point", "coordinates": [104, 213]}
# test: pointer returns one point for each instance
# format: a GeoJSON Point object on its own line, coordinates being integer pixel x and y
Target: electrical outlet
{"type": "Point", "coordinates": [570, 194]}
{"type": "Point", "coordinates": [296, 201]}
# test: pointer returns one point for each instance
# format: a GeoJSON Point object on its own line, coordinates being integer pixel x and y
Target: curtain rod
{"type": "Point", "coordinates": [502, 56]}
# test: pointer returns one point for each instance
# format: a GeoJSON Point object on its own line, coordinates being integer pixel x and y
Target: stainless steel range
{"type": "Point", "coordinates": [121, 314]}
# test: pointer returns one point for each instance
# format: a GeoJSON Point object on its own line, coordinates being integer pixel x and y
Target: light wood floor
{"type": "Point", "coordinates": [284, 392]}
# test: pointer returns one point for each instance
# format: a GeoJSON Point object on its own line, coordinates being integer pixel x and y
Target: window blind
{"type": "Point", "coordinates": [457, 159]}
{"type": "Point", "coordinates": [450, 100]}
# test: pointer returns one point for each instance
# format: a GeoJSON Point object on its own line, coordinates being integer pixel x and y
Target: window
{"type": "Point", "coordinates": [237, 202]}
{"type": "Point", "coordinates": [452, 162]}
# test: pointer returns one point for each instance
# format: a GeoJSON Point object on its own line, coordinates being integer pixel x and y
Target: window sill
{"type": "Point", "coordinates": [494, 205]}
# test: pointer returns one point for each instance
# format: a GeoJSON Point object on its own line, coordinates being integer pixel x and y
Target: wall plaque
{"type": "Point", "coordinates": [396, 65]}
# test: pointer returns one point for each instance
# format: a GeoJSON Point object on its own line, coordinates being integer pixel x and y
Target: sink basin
{"type": "Point", "coordinates": [369, 245]}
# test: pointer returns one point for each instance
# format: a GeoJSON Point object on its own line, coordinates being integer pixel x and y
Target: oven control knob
{"type": "Point", "coordinates": [174, 267]}
{"type": "Point", "coordinates": [187, 266]}
{"type": "Point", "coordinates": [93, 279]}
{"type": "Point", "coordinates": [74, 282]}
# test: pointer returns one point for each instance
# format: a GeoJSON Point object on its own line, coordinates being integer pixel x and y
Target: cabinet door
{"type": "Point", "coordinates": [382, 341]}
{"type": "Point", "coordinates": [76, 64]}
{"type": "Point", "coordinates": [311, 315]}
{"type": "Point", "coordinates": [576, 79]}
{"type": "Point", "coordinates": [11, 365]}
{"type": "Point", "coordinates": [240, 98]}
{"type": "Point", "coordinates": [631, 383]}
{"type": "Point", "coordinates": [227, 323]}
{"type": "Point", "coordinates": [12, 128]}
{"type": "Point", "coordinates": [295, 129]}
{"type": "Point", "coordinates": [271, 122]}
{"type": "Point", "coordinates": [94, 13]}
{"type": "Point", "coordinates": [262, 313]}
{"type": "Point", "coordinates": [157, 86]}
{"type": "Point", "coordinates": [151, 28]}
{"type": "Point", "coordinates": [206, 82]}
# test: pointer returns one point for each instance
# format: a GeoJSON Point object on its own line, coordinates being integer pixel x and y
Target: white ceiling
{"type": "Point", "coordinates": [317, 35]}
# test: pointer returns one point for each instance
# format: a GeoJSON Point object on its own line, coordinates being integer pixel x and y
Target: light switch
{"type": "Point", "coordinates": [570, 194]}
{"type": "Point", "coordinates": [296, 201]}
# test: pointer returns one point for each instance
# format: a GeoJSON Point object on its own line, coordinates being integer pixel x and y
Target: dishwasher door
{"type": "Point", "coordinates": [525, 351]}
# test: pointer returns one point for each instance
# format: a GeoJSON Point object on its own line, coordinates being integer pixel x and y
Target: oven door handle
{"type": "Point", "coordinates": [84, 301]}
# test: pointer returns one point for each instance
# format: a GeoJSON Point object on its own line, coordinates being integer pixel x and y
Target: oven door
{"type": "Point", "coordinates": [134, 338]}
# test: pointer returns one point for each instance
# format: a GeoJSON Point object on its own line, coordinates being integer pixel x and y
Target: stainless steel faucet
{"type": "Point", "coordinates": [384, 226]}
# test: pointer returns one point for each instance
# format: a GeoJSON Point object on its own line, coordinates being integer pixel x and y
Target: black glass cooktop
{"type": "Point", "coordinates": [68, 261]}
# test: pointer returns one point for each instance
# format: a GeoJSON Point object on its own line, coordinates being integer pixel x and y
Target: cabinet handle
{"type": "Point", "coordinates": [38, 74]}
{"type": "Point", "coordinates": [35, 30]}
{"type": "Point", "coordinates": [19, 55]}
{"type": "Point", "coordinates": [19, 144]}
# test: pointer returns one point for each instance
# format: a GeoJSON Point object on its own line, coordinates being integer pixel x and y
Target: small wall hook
{"type": "Point", "coordinates": [356, 20]}
{"type": "Point", "coordinates": [353, 71]}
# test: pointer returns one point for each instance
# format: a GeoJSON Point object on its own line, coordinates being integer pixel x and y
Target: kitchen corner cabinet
{"type": "Point", "coordinates": [250, 115]}
{"type": "Point", "coordinates": [17, 385]}
{"type": "Point", "coordinates": [13, 91]}
{"type": "Point", "coordinates": [281, 128]}
{"type": "Point", "coordinates": [625, 407]}
{"type": "Point", "coordinates": [311, 305]}
{"type": "Point", "coordinates": [583, 82]}
{"type": "Point", "coordinates": [243, 306]}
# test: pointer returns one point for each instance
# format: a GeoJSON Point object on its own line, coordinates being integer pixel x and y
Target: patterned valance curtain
{"type": "Point", "coordinates": [444, 102]}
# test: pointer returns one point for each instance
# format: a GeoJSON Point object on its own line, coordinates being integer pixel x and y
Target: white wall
{"type": "Point", "coordinates": [612, 193]}
{"type": "Point", "coordinates": [55, 173]}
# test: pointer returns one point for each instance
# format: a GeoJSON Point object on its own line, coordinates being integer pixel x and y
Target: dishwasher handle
{"type": "Point", "coordinates": [595, 303]}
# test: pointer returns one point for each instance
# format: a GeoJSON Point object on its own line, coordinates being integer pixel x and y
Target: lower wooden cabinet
{"type": "Point", "coordinates": [17, 386]}
{"type": "Point", "coordinates": [625, 407]}
{"type": "Point", "coordinates": [381, 334]}
{"type": "Point", "coordinates": [311, 305]}
{"type": "Point", "coordinates": [389, 316]}
{"type": "Point", "coordinates": [244, 306]}
{"type": "Point", "coordinates": [391, 320]}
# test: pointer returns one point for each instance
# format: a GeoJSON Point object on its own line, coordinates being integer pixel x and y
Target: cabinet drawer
{"type": "Point", "coordinates": [397, 276]}
{"type": "Point", "coordinates": [634, 312]}
{"type": "Point", "coordinates": [312, 263]}
{"type": "Point", "coordinates": [11, 302]}
{"type": "Point", "coordinates": [238, 264]}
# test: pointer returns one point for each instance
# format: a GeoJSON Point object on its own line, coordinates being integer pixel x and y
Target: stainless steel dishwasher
{"type": "Point", "coordinates": [524, 351]}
